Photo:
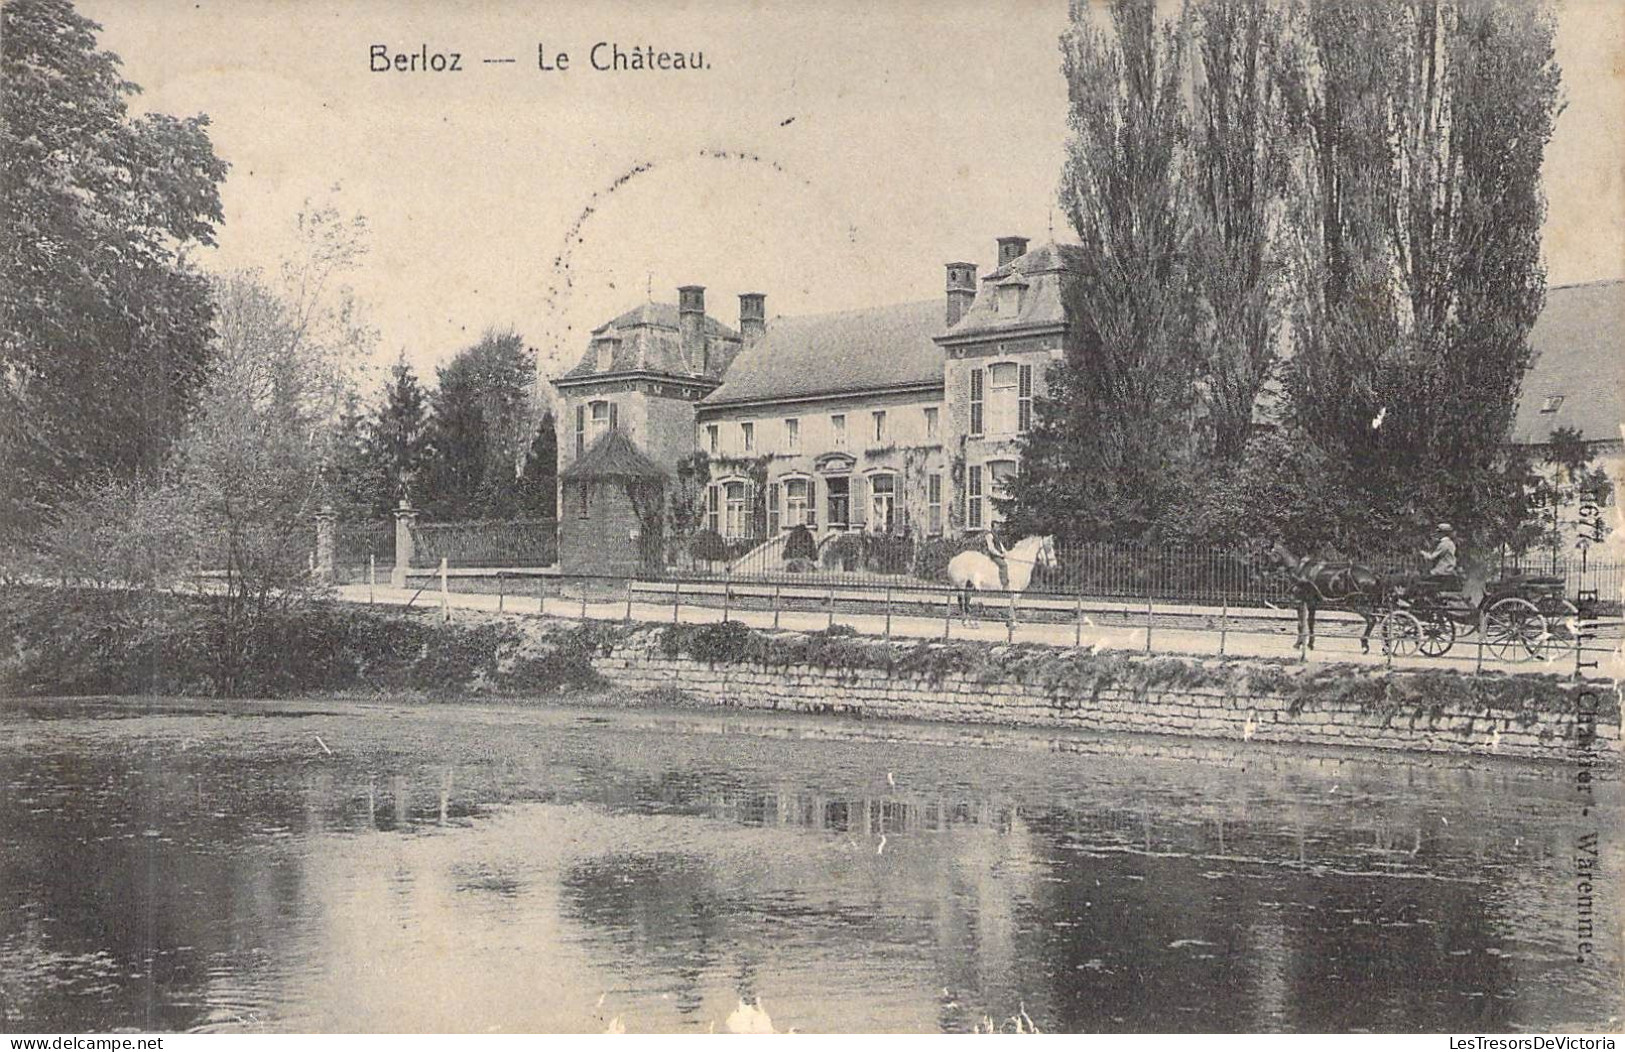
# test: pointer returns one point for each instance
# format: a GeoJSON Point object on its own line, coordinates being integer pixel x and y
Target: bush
{"type": "Point", "coordinates": [800, 544]}
{"type": "Point", "coordinates": [888, 553]}
{"type": "Point", "coordinates": [931, 557]}
{"type": "Point", "coordinates": [708, 546]}
{"type": "Point", "coordinates": [844, 552]}
{"type": "Point", "coordinates": [83, 642]}
{"type": "Point", "coordinates": [800, 566]}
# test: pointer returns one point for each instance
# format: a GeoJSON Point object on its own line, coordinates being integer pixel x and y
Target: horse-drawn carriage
{"type": "Point", "coordinates": [1519, 617]}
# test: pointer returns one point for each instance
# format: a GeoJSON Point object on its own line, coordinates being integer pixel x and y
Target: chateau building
{"type": "Point", "coordinates": [999, 343]}
{"type": "Point", "coordinates": [907, 418]}
{"type": "Point", "coordinates": [839, 417]}
{"type": "Point", "coordinates": [894, 419]}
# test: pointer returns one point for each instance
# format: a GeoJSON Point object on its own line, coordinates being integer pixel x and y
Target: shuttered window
{"type": "Point", "coordinates": [976, 394]}
{"type": "Point", "coordinates": [1024, 402]}
{"type": "Point", "coordinates": [581, 429]}
{"type": "Point", "coordinates": [772, 509]}
{"type": "Point", "coordinates": [973, 497]}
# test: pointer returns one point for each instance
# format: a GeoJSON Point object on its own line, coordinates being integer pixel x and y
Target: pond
{"type": "Point", "coordinates": [343, 866]}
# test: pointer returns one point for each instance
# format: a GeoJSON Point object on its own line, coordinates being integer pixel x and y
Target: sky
{"type": "Point", "coordinates": [832, 154]}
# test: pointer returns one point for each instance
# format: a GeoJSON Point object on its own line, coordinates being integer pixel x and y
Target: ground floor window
{"type": "Point", "coordinates": [840, 503]}
{"type": "Point", "coordinates": [933, 501]}
{"type": "Point", "coordinates": [737, 507]}
{"type": "Point", "coordinates": [797, 505]}
{"type": "Point", "coordinates": [883, 502]}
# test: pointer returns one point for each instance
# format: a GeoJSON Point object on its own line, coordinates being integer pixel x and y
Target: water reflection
{"type": "Point", "coordinates": [377, 868]}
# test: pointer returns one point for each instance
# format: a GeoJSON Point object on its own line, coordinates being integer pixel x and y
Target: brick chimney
{"type": "Point", "coordinates": [1011, 248]}
{"type": "Point", "coordinates": [752, 315]}
{"type": "Point", "coordinates": [691, 325]}
{"type": "Point", "coordinates": [961, 290]}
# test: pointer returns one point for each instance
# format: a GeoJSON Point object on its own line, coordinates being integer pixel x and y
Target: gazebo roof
{"type": "Point", "coordinates": [613, 456]}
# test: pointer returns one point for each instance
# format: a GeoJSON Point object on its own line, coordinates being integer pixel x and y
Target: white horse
{"type": "Point", "coordinates": [977, 571]}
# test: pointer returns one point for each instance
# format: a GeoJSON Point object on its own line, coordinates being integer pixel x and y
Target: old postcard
{"type": "Point", "coordinates": [832, 517]}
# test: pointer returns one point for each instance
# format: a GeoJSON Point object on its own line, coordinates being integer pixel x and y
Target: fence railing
{"type": "Point", "coordinates": [1576, 641]}
{"type": "Point", "coordinates": [1195, 574]}
{"type": "Point", "coordinates": [1168, 573]}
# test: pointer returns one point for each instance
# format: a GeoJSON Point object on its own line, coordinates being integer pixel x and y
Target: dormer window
{"type": "Point", "coordinates": [1552, 404]}
{"type": "Point", "coordinates": [606, 355]}
{"type": "Point", "coordinates": [1011, 295]}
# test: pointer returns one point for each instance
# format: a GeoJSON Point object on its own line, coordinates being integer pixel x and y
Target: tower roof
{"type": "Point", "coordinates": [613, 456]}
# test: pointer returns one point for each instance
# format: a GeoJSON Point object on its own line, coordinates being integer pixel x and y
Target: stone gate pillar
{"type": "Point", "coordinates": [326, 547]}
{"type": "Point", "coordinates": [405, 518]}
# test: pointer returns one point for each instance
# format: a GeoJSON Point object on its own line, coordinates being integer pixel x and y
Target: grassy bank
{"type": "Point", "coordinates": [67, 641]}
{"type": "Point", "coordinates": [98, 642]}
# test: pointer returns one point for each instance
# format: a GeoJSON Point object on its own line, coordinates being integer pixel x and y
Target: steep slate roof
{"type": "Point", "coordinates": [651, 342]}
{"type": "Point", "coordinates": [613, 456]}
{"type": "Point", "coordinates": [1042, 269]}
{"type": "Point", "coordinates": [1578, 344]}
{"type": "Point", "coordinates": [831, 354]}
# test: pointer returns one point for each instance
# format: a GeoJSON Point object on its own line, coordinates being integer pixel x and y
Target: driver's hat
{"type": "Point", "coordinates": [1445, 527]}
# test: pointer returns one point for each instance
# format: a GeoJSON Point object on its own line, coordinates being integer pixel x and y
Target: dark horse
{"type": "Point", "coordinates": [1315, 581]}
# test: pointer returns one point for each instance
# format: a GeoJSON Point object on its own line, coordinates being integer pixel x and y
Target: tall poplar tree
{"type": "Point", "coordinates": [1427, 123]}
{"type": "Point", "coordinates": [1105, 444]}
{"type": "Point", "coordinates": [1243, 144]}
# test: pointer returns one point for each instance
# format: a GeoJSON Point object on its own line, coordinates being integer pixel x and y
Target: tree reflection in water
{"type": "Point", "coordinates": [477, 868]}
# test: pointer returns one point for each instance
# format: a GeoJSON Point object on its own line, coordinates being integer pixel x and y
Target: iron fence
{"type": "Point", "coordinates": [489, 543]}
{"type": "Point", "coordinates": [1166, 573]}
{"type": "Point", "coordinates": [362, 549]}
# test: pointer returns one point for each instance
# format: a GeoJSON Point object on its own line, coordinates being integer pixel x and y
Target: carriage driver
{"type": "Point", "coordinates": [1442, 567]}
{"type": "Point", "coordinates": [996, 551]}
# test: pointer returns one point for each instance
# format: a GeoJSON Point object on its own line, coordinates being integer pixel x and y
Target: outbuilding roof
{"type": "Point", "coordinates": [875, 348]}
{"type": "Point", "coordinates": [1576, 376]}
{"type": "Point", "coordinates": [613, 456]}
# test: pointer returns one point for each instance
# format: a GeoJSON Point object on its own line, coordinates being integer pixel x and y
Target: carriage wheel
{"type": "Point", "coordinates": [1438, 633]}
{"type": "Point", "coordinates": [1401, 633]}
{"type": "Point", "coordinates": [1513, 629]}
{"type": "Point", "coordinates": [1561, 629]}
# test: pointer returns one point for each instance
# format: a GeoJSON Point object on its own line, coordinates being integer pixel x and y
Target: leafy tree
{"type": "Point", "coordinates": [1427, 122]}
{"type": "Point", "coordinates": [479, 429]}
{"type": "Point", "coordinates": [254, 466]}
{"type": "Point", "coordinates": [538, 484]}
{"type": "Point", "coordinates": [1121, 400]}
{"type": "Point", "coordinates": [104, 324]}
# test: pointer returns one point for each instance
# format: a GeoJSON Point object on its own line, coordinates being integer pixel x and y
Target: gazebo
{"type": "Point", "coordinates": [611, 511]}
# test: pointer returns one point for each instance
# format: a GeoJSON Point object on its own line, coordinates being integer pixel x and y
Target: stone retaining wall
{"type": "Point", "coordinates": [1191, 712]}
